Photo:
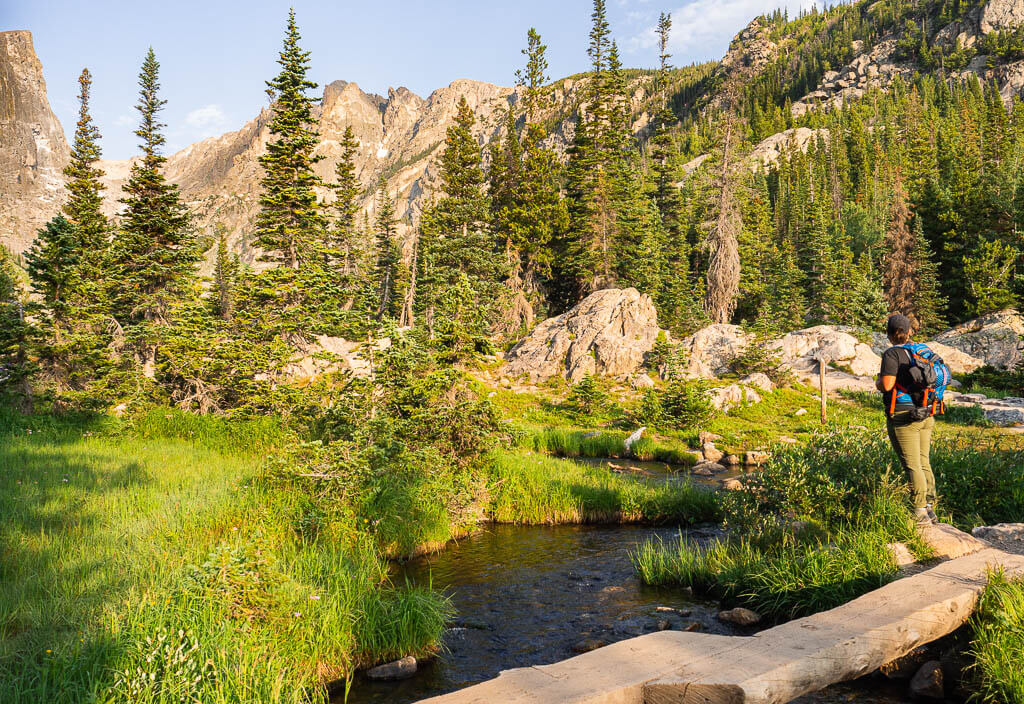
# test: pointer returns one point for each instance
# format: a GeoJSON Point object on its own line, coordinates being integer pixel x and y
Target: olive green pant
{"type": "Point", "coordinates": [912, 441]}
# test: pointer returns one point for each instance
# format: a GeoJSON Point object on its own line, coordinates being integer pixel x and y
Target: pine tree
{"type": "Point", "coordinates": [85, 199]}
{"type": "Point", "coordinates": [526, 203]}
{"type": "Point", "coordinates": [455, 232]}
{"type": "Point", "coordinates": [388, 255]}
{"type": "Point", "coordinates": [346, 207]}
{"type": "Point", "coordinates": [225, 278]}
{"type": "Point", "coordinates": [15, 336]}
{"type": "Point", "coordinates": [589, 247]}
{"type": "Point", "coordinates": [154, 249]}
{"type": "Point", "coordinates": [53, 265]}
{"type": "Point", "coordinates": [929, 301]}
{"type": "Point", "coordinates": [290, 226]}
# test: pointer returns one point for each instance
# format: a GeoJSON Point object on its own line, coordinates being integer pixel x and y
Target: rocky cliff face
{"type": "Point", "coordinates": [398, 136]}
{"type": "Point", "coordinates": [33, 150]}
{"type": "Point", "coordinates": [878, 66]}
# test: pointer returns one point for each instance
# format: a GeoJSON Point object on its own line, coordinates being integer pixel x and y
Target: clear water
{"type": "Point", "coordinates": [527, 595]}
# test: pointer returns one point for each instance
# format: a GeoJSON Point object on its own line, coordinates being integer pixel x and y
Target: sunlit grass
{"type": "Point", "coordinates": [536, 489]}
{"type": "Point", "coordinates": [998, 641]}
{"type": "Point", "coordinates": [110, 540]}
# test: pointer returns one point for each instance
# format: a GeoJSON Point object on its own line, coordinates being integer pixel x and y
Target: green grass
{"type": "Point", "coordinates": [791, 579]}
{"type": "Point", "coordinates": [131, 565]}
{"type": "Point", "coordinates": [536, 489]}
{"type": "Point", "coordinates": [564, 442]}
{"type": "Point", "coordinates": [997, 647]}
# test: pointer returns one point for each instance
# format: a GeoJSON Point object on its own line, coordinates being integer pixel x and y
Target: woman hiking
{"type": "Point", "coordinates": [909, 414]}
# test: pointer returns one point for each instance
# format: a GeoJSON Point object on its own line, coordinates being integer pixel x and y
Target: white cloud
{"type": "Point", "coordinates": [702, 29]}
{"type": "Point", "coordinates": [124, 121]}
{"type": "Point", "coordinates": [206, 118]}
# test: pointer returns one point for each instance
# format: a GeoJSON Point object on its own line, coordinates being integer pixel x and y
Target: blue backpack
{"type": "Point", "coordinates": [929, 377]}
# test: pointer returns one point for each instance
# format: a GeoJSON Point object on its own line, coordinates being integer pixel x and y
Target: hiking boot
{"type": "Point", "coordinates": [931, 513]}
{"type": "Point", "coordinates": [921, 517]}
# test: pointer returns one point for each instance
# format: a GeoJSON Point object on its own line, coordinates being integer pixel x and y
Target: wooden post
{"type": "Point", "coordinates": [822, 367]}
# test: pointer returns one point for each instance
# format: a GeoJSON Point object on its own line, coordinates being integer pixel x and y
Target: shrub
{"type": "Point", "coordinates": [991, 378]}
{"type": "Point", "coordinates": [586, 398]}
{"type": "Point", "coordinates": [758, 357]}
{"type": "Point", "coordinates": [685, 404]}
{"type": "Point", "coordinates": [665, 358]}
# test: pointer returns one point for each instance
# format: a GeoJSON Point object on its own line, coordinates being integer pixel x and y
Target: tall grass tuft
{"type": "Point", "coordinates": [998, 641]}
{"type": "Point", "coordinates": [543, 490]}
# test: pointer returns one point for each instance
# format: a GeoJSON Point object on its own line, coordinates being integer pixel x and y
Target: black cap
{"type": "Point", "coordinates": [897, 323]}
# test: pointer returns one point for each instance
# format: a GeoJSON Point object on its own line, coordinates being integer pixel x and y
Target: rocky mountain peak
{"type": "Point", "coordinates": [33, 149]}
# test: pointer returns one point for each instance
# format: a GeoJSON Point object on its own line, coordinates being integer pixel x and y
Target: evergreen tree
{"type": "Point", "coordinates": [290, 226]}
{"type": "Point", "coordinates": [154, 249]}
{"type": "Point", "coordinates": [15, 336]}
{"type": "Point", "coordinates": [225, 278]}
{"type": "Point", "coordinates": [53, 266]}
{"type": "Point", "coordinates": [455, 234]}
{"type": "Point", "coordinates": [929, 301]}
{"type": "Point", "coordinates": [589, 247]}
{"type": "Point", "coordinates": [85, 199]}
{"type": "Point", "coordinates": [526, 203]}
{"type": "Point", "coordinates": [346, 206]}
{"type": "Point", "coordinates": [388, 255]}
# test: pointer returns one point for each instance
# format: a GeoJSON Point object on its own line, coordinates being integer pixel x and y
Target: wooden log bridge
{"type": "Point", "coordinates": [775, 665]}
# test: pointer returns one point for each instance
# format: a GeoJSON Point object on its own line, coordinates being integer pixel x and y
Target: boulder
{"type": "Point", "coordinates": [633, 438]}
{"type": "Point", "coordinates": [588, 644]}
{"type": "Point", "coordinates": [901, 553]}
{"type": "Point", "coordinates": [608, 333]}
{"type": "Point", "coordinates": [740, 616]}
{"type": "Point", "coordinates": [995, 338]}
{"type": "Point", "coordinates": [711, 453]}
{"type": "Point", "coordinates": [397, 670]}
{"type": "Point", "coordinates": [927, 683]}
{"type": "Point", "coordinates": [732, 485]}
{"type": "Point", "coordinates": [865, 362]}
{"type": "Point", "coordinates": [837, 346]}
{"type": "Point", "coordinates": [1002, 531]}
{"type": "Point", "coordinates": [947, 542]}
{"type": "Point", "coordinates": [711, 350]}
{"type": "Point", "coordinates": [758, 380]}
{"type": "Point", "coordinates": [726, 397]}
{"type": "Point", "coordinates": [750, 396]}
{"type": "Point", "coordinates": [756, 458]}
{"type": "Point", "coordinates": [959, 362]}
{"type": "Point", "coordinates": [641, 381]}
{"type": "Point", "coordinates": [325, 354]}
{"type": "Point", "coordinates": [706, 436]}
{"type": "Point", "coordinates": [731, 461]}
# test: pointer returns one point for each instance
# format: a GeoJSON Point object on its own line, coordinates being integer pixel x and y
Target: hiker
{"type": "Point", "coordinates": [912, 381]}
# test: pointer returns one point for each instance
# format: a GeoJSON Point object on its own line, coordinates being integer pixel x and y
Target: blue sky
{"type": "Point", "coordinates": [216, 54]}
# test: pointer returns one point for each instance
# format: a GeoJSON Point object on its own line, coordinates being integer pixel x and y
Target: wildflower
{"type": "Point", "coordinates": [297, 614]}
{"type": "Point", "coordinates": [314, 597]}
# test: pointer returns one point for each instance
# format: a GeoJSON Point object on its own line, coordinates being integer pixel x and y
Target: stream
{"type": "Point", "coordinates": [534, 595]}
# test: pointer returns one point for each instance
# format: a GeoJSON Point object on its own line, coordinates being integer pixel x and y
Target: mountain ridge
{"type": "Point", "coordinates": [400, 134]}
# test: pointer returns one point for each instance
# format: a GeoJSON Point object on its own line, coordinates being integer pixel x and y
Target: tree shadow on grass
{"type": "Point", "coordinates": [56, 571]}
